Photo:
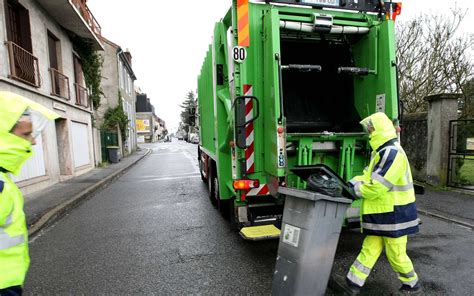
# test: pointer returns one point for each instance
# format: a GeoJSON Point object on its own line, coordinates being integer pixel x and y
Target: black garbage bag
{"type": "Point", "coordinates": [324, 184]}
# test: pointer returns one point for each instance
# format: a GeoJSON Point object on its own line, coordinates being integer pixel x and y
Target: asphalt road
{"type": "Point", "coordinates": [154, 231]}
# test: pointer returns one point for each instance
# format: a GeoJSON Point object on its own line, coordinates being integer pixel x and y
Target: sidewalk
{"type": "Point", "coordinates": [447, 205]}
{"type": "Point", "coordinates": [45, 207]}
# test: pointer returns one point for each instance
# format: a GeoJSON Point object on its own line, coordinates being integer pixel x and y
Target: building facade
{"type": "Point", "coordinates": [150, 128]}
{"type": "Point", "coordinates": [118, 87]}
{"type": "Point", "coordinates": [38, 60]}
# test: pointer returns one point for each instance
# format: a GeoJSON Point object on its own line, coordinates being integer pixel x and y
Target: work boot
{"type": "Point", "coordinates": [343, 284]}
{"type": "Point", "coordinates": [407, 290]}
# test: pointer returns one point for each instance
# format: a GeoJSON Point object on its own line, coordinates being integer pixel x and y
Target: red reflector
{"type": "Point", "coordinates": [280, 130]}
{"type": "Point", "coordinates": [398, 11]}
{"type": "Point", "coordinates": [246, 184]}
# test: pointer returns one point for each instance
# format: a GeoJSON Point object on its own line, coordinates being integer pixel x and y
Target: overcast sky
{"type": "Point", "coordinates": [168, 40]}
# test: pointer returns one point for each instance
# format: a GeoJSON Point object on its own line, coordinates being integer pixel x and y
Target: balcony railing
{"type": "Point", "coordinates": [23, 65]}
{"type": "Point", "coordinates": [82, 96]}
{"type": "Point", "coordinates": [88, 17]}
{"type": "Point", "coordinates": [59, 84]}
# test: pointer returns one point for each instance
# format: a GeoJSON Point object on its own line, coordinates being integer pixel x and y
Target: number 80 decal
{"type": "Point", "coordinates": [239, 54]}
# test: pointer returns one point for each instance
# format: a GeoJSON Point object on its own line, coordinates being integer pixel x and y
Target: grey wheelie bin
{"type": "Point", "coordinates": [310, 231]}
{"type": "Point", "coordinates": [114, 154]}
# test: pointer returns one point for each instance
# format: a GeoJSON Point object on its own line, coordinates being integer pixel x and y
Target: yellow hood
{"type": "Point", "coordinates": [384, 130]}
{"type": "Point", "coordinates": [14, 151]}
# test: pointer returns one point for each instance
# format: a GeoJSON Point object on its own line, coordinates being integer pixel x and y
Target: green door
{"type": "Point", "coordinates": [273, 144]}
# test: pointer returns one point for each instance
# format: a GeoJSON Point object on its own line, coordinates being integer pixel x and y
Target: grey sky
{"type": "Point", "coordinates": [168, 40]}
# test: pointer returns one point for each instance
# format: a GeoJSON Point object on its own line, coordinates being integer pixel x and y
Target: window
{"type": "Point", "coordinates": [82, 97]}
{"type": "Point", "coordinates": [23, 65]}
{"type": "Point", "coordinates": [121, 78]}
{"type": "Point", "coordinates": [54, 50]}
{"type": "Point", "coordinates": [59, 81]}
{"type": "Point", "coordinates": [129, 84]}
{"type": "Point", "coordinates": [18, 25]}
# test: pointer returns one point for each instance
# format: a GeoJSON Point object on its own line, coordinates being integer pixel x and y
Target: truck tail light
{"type": "Point", "coordinates": [246, 184]}
{"type": "Point", "coordinates": [393, 10]}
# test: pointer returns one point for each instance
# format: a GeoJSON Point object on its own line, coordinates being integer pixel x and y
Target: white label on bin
{"type": "Point", "coordinates": [291, 235]}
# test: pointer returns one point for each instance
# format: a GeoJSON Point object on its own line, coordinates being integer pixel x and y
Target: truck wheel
{"type": "Point", "coordinates": [232, 216]}
{"type": "Point", "coordinates": [211, 185]}
{"type": "Point", "coordinates": [201, 167]}
{"type": "Point", "coordinates": [217, 197]}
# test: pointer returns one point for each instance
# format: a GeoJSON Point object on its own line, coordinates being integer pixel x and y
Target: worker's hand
{"type": "Point", "coordinates": [351, 183]}
{"type": "Point", "coordinates": [355, 185]}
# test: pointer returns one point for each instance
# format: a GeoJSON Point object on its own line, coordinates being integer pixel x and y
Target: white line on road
{"type": "Point", "coordinates": [170, 178]}
{"type": "Point", "coordinates": [167, 176]}
{"type": "Point", "coordinates": [193, 161]}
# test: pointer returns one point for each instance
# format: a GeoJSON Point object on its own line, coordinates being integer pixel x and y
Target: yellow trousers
{"type": "Point", "coordinates": [396, 251]}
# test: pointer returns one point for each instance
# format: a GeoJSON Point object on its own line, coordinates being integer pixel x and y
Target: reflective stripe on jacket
{"type": "Point", "coordinates": [14, 259]}
{"type": "Point", "coordinates": [388, 206]}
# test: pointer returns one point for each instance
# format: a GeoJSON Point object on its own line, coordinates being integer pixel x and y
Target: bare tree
{"type": "Point", "coordinates": [432, 58]}
{"type": "Point", "coordinates": [467, 99]}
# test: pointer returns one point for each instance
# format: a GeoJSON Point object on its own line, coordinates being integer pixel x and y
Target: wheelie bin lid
{"type": "Point", "coordinates": [312, 195]}
{"type": "Point", "coordinates": [305, 171]}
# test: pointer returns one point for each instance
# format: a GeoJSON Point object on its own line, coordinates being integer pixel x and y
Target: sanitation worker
{"type": "Point", "coordinates": [388, 208]}
{"type": "Point", "coordinates": [20, 121]}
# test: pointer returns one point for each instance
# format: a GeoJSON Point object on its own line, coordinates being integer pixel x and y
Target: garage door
{"type": "Point", "coordinates": [34, 167]}
{"type": "Point", "coordinates": [80, 144]}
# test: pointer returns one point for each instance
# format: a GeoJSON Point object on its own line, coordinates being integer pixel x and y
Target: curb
{"type": "Point", "coordinates": [58, 212]}
{"type": "Point", "coordinates": [444, 218]}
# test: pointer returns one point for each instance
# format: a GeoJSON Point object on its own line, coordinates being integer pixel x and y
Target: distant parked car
{"type": "Point", "coordinates": [194, 138]}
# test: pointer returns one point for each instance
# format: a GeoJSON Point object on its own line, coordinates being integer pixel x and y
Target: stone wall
{"type": "Point", "coordinates": [414, 139]}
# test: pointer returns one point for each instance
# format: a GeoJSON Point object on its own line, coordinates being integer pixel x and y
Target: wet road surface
{"type": "Point", "coordinates": [154, 231]}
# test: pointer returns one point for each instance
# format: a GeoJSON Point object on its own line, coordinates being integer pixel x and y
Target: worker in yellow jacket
{"type": "Point", "coordinates": [388, 211]}
{"type": "Point", "coordinates": [20, 121]}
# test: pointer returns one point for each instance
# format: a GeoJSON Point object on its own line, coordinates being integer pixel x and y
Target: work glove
{"type": "Point", "coordinates": [355, 185]}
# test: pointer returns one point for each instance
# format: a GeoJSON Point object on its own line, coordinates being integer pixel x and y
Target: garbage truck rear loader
{"type": "Point", "coordinates": [285, 84]}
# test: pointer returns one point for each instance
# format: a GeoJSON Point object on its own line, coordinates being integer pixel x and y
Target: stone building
{"type": "Point", "coordinates": [118, 88]}
{"type": "Point", "coordinates": [150, 128]}
{"type": "Point", "coordinates": [38, 60]}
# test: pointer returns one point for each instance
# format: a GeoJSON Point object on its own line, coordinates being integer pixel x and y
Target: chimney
{"type": "Point", "coordinates": [128, 56]}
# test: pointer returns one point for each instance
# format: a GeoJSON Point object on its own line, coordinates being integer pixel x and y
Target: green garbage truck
{"type": "Point", "coordinates": [285, 84]}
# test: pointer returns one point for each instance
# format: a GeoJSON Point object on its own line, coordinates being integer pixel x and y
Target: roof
{"type": "Point", "coordinates": [122, 57]}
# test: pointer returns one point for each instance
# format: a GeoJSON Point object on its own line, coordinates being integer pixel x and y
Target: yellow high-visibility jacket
{"type": "Point", "coordinates": [14, 259]}
{"type": "Point", "coordinates": [386, 187]}
{"type": "Point", "coordinates": [14, 151]}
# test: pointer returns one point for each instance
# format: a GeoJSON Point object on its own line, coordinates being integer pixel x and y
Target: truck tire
{"type": "Point", "coordinates": [217, 197]}
{"type": "Point", "coordinates": [232, 216]}
{"type": "Point", "coordinates": [201, 167]}
{"type": "Point", "coordinates": [211, 185]}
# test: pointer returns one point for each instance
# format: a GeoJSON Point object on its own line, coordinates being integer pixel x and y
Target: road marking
{"type": "Point", "coordinates": [167, 176]}
{"type": "Point", "coordinates": [193, 161]}
{"type": "Point", "coordinates": [170, 178]}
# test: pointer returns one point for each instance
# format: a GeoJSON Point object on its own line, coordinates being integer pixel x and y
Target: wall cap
{"type": "Point", "coordinates": [442, 96]}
